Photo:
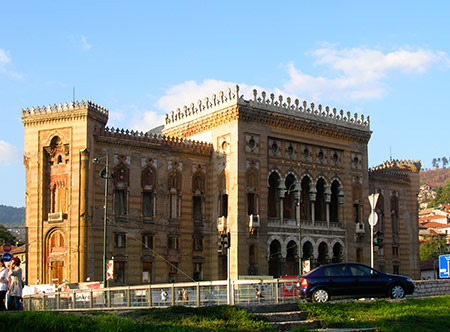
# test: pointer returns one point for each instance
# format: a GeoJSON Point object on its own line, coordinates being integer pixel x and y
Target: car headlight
{"type": "Point", "coordinates": [409, 280]}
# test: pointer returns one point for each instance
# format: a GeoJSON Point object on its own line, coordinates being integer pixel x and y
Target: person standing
{"type": "Point", "coordinates": [15, 285]}
{"type": "Point", "coordinates": [3, 284]}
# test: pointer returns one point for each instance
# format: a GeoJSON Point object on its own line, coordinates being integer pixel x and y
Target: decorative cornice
{"type": "Point", "coordinates": [64, 111]}
{"type": "Point", "coordinates": [135, 137]}
{"type": "Point", "coordinates": [310, 113]}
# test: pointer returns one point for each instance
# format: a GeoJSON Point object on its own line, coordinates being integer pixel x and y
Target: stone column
{"type": "Point", "coordinates": [83, 215]}
{"type": "Point", "coordinates": [327, 202]}
{"type": "Point", "coordinates": [312, 198]}
{"type": "Point", "coordinates": [341, 204]}
{"type": "Point", "coordinates": [281, 194]}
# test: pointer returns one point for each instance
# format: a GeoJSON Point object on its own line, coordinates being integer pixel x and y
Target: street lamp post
{"type": "Point", "coordinates": [106, 176]}
{"type": "Point", "coordinates": [296, 189]}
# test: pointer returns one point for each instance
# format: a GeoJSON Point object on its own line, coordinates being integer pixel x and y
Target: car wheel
{"type": "Point", "coordinates": [320, 295]}
{"type": "Point", "coordinates": [397, 292]}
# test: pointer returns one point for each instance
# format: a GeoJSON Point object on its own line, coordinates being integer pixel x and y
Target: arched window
{"type": "Point", "coordinates": [198, 196]}
{"type": "Point", "coordinates": [121, 181]}
{"type": "Point", "coordinates": [305, 205]}
{"type": "Point", "coordinates": [174, 185]}
{"type": "Point", "coordinates": [289, 198]}
{"type": "Point", "coordinates": [334, 202]}
{"type": "Point", "coordinates": [148, 180]}
{"type": "Point", "coordinates": [320, 206]}
{"type": "Point", "coordinates": [273, 205]}
{"type": "Point", "coordinates": [56, 179]}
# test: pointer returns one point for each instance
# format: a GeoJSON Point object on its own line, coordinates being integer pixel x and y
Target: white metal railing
{"type": "Point", "coordinates": [146, 296]}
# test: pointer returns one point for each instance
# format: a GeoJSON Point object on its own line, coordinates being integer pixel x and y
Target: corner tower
{"type": "Point", "coordinates": [58, 139]}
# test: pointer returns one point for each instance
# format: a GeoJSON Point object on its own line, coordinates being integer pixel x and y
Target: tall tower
{"type": "Point", "coordinates": [57, 143]}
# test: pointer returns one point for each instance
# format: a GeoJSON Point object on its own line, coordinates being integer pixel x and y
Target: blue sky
{"type": "Point", "coordinates": [139, 59]}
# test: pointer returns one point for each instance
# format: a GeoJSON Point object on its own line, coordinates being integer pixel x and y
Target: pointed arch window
{"type": "Point", "coordinates": [174, 195]}
{"type": "Point", "coordinates": [273, 204]}
{"type": "Point", "coordinates": [148, 179]}
{"type": "Point", "coordinates": [305, 205]}
{"type": "Point", "coordinates": [198, 196]}
{"type": "Point", "coordinates": [252, 192]}
{"type": "Point", "coordinates": [334, 201]}
{"type": "Point", "coordinates": [289, 199]}
{"type": "Point", "coordinates": [121, 182]}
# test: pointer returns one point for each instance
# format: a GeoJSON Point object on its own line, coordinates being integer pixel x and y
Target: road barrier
{"type": "Point", "coordinates": [255, 291]}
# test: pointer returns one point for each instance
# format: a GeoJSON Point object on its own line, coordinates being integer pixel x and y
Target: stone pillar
{"type": "Point", "coordinates": [327, 202]}
{"type": "Point", "coordinates": [281, 194]}
{"type": "Point", "coordinates": [341, 205]}
{"type": "Point", "coordinates": [83, 215]}
{"type": "Point", "coordinates": [312, 198]}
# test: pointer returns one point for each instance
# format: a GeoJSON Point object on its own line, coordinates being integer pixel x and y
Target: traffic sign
{"type": "Point", "coordinates": [373, 218]}
{"type": "Point", "coordinates": [7, 257]}
{"type": "Point", "coordinates": [444, 266]}
{"type": "Point", "coordinates": [6, 247]}
{"type": "Point", "coordinates": [373, 200]}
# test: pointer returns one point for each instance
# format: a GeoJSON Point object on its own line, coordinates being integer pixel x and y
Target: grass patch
{"type": "Point", "coordinates": [183, 319]}
{"type": "Point", "coordinates": [413, 314]}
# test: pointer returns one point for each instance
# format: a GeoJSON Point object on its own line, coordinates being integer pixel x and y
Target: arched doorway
{"type": "Point", "coordinates": [323, 254]}
{"type": "Point", "coordinates": [55, 258]}
{"type": "Point", "coordinates": [291, 267]}
{"type": "Point", "coordinates": [307, 257]}
{"type": "Point", "coordinates": [275, 259]}
{"type": "Point", "coordinates": [338, 253]}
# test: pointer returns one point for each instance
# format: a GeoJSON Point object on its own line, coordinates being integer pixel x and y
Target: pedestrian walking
{"type": "Point", "coordinates": [15, 285]}
{"type": "Point", "coordinates": [3, 284]}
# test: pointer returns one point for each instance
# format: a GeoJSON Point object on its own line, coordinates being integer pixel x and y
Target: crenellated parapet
{"type": "Point", "coordinates": [188, 113]}
{"type": "Point", "coordinates": [413, 166]}
{"type": "Point", "coordinates": [64, 110]}
{"type": "Point", "coordinates": [266, 102]}
{"type": "Point", "coordinates": [137, 136]}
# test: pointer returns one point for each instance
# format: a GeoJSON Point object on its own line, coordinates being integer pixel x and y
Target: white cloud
{"type": "Point", "coordinates": [84, 44]}
{"type": "Point", "coordinates": [80, 42]}
{"type": "Point", "coordinates": [190, 92]}
{"type": "Point", "coordinates": [9, 154]}
{"type": "Point", "coordinates": [360, 73]}
{"type": "Point", "coordinates": [5, 59]}
{"type": "Point", "coordinates": [148, 120]}
{"type": "Point", "coordinates": [4, 56]}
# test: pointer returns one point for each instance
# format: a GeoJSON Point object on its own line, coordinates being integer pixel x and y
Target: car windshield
{"type": "Point", "coordinates": [361, 270]}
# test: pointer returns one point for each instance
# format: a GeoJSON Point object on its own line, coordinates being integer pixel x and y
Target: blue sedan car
{"type": "Point", "coordinates": [352, 280]}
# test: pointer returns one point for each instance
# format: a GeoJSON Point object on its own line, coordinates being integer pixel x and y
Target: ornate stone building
{"type": "Point", "coordinates": [288, 181]}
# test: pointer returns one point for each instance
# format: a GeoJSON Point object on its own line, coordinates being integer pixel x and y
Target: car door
{"type": "Point", "coordinates": [338, 279]}
{"type": "Point", "coordinates": [367, 281]}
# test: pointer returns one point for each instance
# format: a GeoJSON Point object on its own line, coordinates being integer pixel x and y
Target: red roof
{"type": "Point", "coordinates": [433, 224]}
{"type": "Point", "coordinates": [438, 216]}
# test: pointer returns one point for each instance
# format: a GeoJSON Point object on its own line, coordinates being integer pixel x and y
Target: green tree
{"type": "Point", "coordinates": [431, 249]}
{"type": "Point", "coordinates": [442, 195]}
{"type": "Point", "coordinates": [6, 236]}
{"type": "Point", "coordinates": [434, 163]}
{"type": "Point", "coordinates": [444, 162]}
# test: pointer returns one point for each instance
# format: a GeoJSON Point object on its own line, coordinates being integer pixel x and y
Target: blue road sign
{"type": "Point", "coordinates": [444, 266]}
{"type": "Point", "coordinates": [7, 257]}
